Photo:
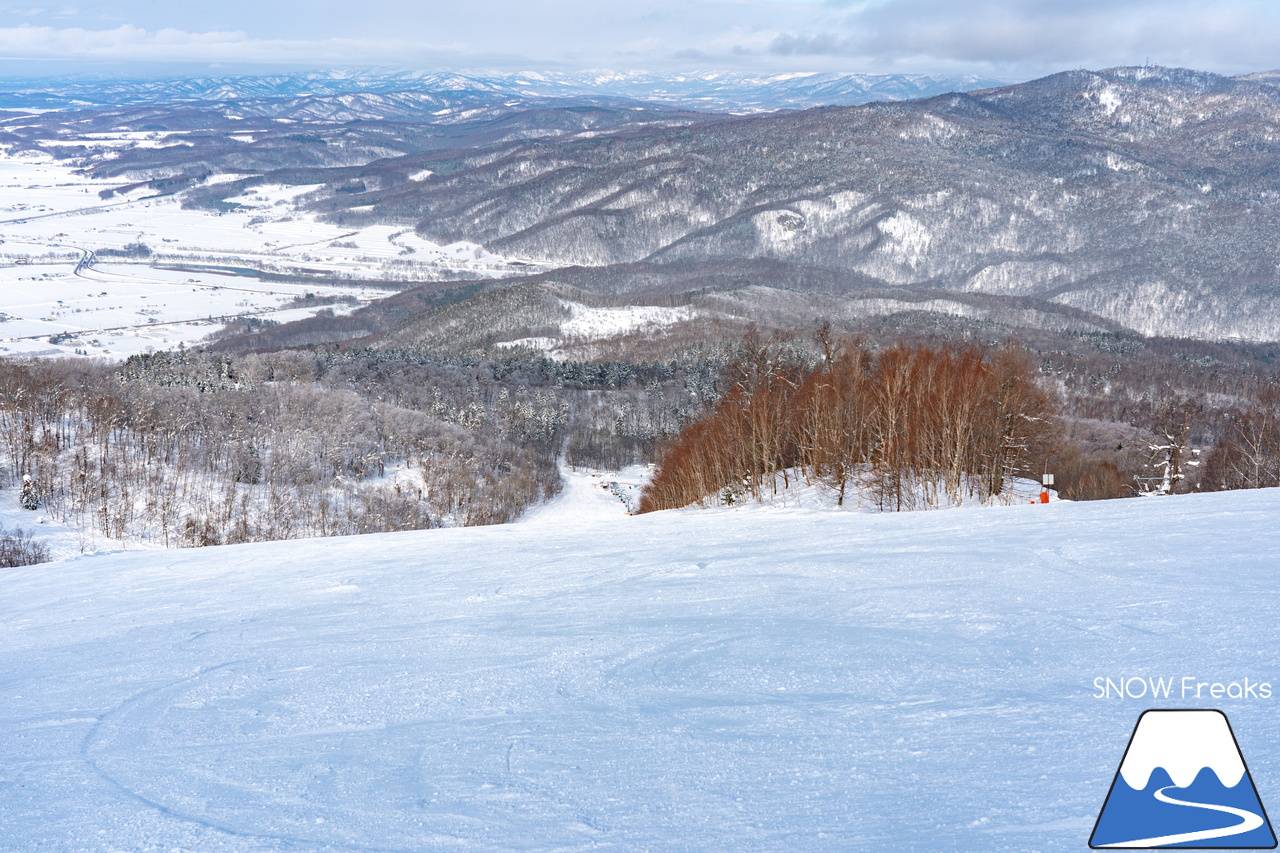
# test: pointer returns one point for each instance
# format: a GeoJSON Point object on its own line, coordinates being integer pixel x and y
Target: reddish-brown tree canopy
{"type": "Point", "coordinates": [909, 423]}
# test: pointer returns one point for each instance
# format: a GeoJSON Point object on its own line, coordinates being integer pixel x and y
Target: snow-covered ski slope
{"type": "Point", "coordinates": [698, 680]}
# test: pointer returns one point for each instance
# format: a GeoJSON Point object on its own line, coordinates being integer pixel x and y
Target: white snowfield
{"type": "Point", "coordinates": [696, 680]}
{"type": "Point", "coordinates": [586, 323]}
{"type": "Point", "coordinates": [201, 271]}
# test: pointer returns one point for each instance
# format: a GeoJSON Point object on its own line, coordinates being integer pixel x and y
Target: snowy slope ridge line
{"type": "Point", "coordinates": [707, 679]}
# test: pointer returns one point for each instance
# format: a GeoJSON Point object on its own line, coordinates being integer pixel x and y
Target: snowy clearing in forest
{"type": "Point", "coordinates": [587, 324]}
{"type": "Point", "coordinates": [777, 680]}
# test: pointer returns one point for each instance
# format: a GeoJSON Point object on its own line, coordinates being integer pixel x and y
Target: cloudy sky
{"type": "Point", "coordinates": [1009, 39]}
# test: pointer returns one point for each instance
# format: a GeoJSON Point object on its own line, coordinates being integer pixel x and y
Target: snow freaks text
{"type": "Point", "coordinates": [1186, 687]}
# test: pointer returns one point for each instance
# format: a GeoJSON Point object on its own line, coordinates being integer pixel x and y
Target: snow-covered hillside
{"type": "Point", "coordinates": [697, 680]}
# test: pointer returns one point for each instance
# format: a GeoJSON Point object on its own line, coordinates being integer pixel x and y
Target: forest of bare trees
{"type": "Point", "coordinates": [906, 427]}
{"type": "Point", "coordinates": [196, 448]}
{"type": "Point", "coordinates": [1248, 455]}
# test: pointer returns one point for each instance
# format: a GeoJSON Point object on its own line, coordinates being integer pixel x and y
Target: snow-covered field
{"type": "Point", "coordinates": [587, 324]}
{"type": "Point", "coordinates": [51, 218]}
{"type": "Point", "coordinates": [698, 680]}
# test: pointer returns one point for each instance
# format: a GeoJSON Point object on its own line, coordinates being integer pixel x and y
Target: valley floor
{"type": "Point", "coordinates": [696, 680]}
{"type": "Point", "coordinates": [202, 270]}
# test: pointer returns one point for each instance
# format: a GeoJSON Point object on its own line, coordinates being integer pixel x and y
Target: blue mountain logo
{"type": "Point", "coordinates": [1183, 783]}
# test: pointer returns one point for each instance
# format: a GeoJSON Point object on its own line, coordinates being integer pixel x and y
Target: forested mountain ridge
{"type": "Point", "coordinates": [1146, 196]}
{"type": "Point", "coordinates": [711, 91]}
{"type": "Point", "coordinates": [1139, 199]}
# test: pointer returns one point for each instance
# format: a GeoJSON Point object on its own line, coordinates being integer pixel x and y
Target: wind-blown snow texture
{"type": "Point", "coordinates": [698, 680]}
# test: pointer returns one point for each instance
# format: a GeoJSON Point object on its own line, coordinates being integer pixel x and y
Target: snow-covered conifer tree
{"type": "Point", "coordinates": [28, 499]}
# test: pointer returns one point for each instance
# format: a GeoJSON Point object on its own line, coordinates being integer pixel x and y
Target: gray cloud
{"type": "Point", "coordinates": [1009, 38]}
{"type": "Point", "coordinates": [132, 43]}
{"type": "Point", "coordinates": [1037, 34]}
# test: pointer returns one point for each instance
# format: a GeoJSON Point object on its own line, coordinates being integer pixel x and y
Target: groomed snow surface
{"type": "Point", "coordinates": [696, 680]}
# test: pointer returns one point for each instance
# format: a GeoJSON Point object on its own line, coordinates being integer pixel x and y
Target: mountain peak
{"type": "Point", "coordinates": [1183, 743]}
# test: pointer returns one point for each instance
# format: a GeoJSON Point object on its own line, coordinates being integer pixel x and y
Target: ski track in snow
{"type": "Point", "coordinates": [697, 680]}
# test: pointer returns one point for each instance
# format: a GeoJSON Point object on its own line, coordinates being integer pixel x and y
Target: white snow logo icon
{"type": "Point", "coordinates": [1183, 783]}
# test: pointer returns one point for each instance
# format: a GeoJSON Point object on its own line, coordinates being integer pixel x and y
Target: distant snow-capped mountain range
{"type": "Point", "coordinates": [1143, 199]}
{"type": "Point", "coordinates": [703, 90]}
